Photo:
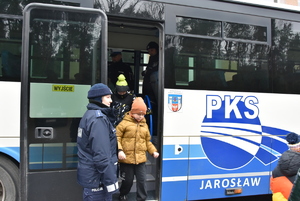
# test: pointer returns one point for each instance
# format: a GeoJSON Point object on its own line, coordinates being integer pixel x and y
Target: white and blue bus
{"type": "Point", "coordinates": [229, 85]}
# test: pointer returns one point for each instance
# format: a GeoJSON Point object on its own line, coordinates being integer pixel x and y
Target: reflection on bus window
{"type": "Point", "coordinates": [10, 49]}
{"type": "Point", "coordinates": [198, 26]}
{"type": "Point", "coordinates": [245, 31]}
{"type": "Point", "coordinates": [242, 63]}
{"type": "Point", "coordinates": [219, 64]}
{"type": "Point", "coordinates": [61, 49]}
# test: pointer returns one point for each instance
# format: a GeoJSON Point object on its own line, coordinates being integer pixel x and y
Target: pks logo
{"type": "Point", "coordinates": [175, 102]}
{"type": "Point", "coordinates": [232, 133]}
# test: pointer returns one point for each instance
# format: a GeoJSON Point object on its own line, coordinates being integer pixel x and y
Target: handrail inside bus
{"type": "Point", "coordinates": [148, 103]}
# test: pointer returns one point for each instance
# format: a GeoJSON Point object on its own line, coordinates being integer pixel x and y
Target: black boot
{"type": "Point", "coordinates": [122, 198]}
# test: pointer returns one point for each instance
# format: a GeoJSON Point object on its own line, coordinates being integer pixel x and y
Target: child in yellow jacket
{"type": "Point", "coordinates": [133, 141]}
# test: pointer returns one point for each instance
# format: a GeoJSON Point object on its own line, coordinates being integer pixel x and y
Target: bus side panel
{"type": "Point", "coordinates": [10, 109]}
{"type": "Point", "coordinates": [201, 183]}
{"type": "Point", "coordinates": [234, 140]}
{"type": "Point", "coordinates": [174, 168]}
{"type": "Point", "coordinates": [9, 119]}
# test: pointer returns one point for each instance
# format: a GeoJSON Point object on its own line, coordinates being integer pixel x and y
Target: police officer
{"type": "Point", "coordinates": [97, 147]}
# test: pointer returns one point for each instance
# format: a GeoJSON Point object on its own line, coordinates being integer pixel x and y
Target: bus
{"type": "Point", "coordinates": [229, 84]}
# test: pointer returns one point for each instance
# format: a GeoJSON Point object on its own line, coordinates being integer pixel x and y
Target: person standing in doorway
{"type": "Point", "coordinates": [118, 67]}
{"type": "Point", "coordinates": [97, 147]}
{"type": "Point", "coordinates": [133, 142]}
{"type": "Point", "coordinates": [122, 99]}
{"type": "Point", "coordinates": [150, 82]}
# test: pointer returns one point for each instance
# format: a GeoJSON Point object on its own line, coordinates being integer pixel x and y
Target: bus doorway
{"type": "Point", "coordinates": [61, 59]}
{"type": "Point", "coordinates": [131, 37]}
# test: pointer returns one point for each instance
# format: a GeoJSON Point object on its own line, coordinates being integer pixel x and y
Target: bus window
{"type": "Point", "coordinates": [56, 58]}
{"type": "Point", "coordinates": [204, 59]}
{"type": "Point", "coordinates": [10, 49]}
{"type": "Point", "coordinates": [245, 31]}
{"type": "Point", "coordinates": [286, 56]}
{"type": "Point", "coordinates": [195, 26]}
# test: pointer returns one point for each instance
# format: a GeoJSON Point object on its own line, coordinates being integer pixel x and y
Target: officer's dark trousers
{"type": "Point", "coordinates": [127, 171]}
{"type": "Point", "coordinates": [96, 194]}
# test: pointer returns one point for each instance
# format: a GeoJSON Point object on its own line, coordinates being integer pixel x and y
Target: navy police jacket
{"type": "Point", "coordinates": [97, 150]}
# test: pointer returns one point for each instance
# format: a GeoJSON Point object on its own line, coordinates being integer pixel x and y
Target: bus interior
{"type": "Point", "coordinates": [131, 38]}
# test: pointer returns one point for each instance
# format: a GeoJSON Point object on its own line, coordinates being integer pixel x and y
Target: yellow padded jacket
{"type": "Point", "coordinates": [134, 139]}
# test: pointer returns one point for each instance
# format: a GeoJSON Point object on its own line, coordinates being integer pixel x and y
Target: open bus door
{"type": "Point", "coordinates": [63, 50]}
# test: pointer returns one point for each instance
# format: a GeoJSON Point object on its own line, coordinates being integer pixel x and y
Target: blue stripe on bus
{"type": "Point", "coordinates": [174, 191]}
{"type": "Point", "coordinates": [198, 164]}
{"type": "Point", "coordinates": [265, 157]}
{"type": "Point", "coordinates": [14, 152]}
{"type": "Point", "coordinates": [231, 128]}
{"type": "Point", "coordinates": [175, 168]}
{"type": "Point", "coordinates": [169, 151]}
{"type": "Point", "coordinates": [204, 167]}
{"type": "Point", "coordinates": [274, 131]}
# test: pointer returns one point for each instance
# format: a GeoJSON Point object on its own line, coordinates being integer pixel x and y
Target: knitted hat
{"type": "Point", "coordinates": [98, 90]}
{"type": "Point", "coordinates": [293, 140]}
{"type": "Point", "coordinates": [138, 106]}
{"type": "Point", "coordinates": [152, 44]}
{"type": "Point", "coordinates": [121, 84]}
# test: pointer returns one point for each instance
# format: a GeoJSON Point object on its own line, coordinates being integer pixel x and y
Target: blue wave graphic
{"type": "Point", "coordinates": [233, 145]}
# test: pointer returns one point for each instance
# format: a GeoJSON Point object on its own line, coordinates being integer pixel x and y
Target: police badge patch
{"type": "Point", "coordinates": [175, 102]}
